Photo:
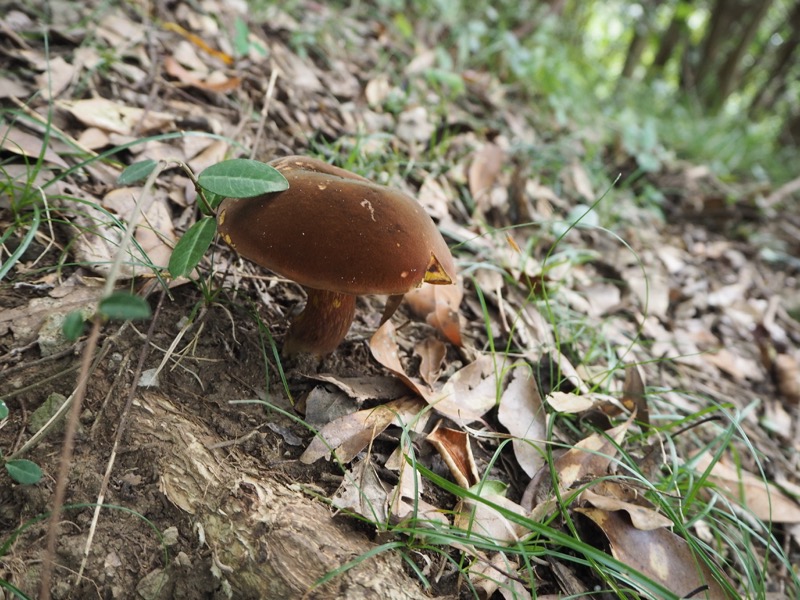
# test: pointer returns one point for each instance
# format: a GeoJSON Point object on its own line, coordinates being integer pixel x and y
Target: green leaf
{"type": "Point", "coordinates": [136, 172]}
{"type": "Point", "coordinates": [73, 325]}
{"type": "Point", "coordinates": [191, 247]}
{"type": "Point", "coordinates": [24, 471]}
{"type": "Point", "coordinates": [241, 178]}
{"type": "Point", "coordinates": [241, 37]}
{"type": "Point", "coordinates": [123, 306]}
{"type": "Point", "coordinates": [3, 410]}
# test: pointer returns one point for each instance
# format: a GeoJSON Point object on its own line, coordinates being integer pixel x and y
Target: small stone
{"type": "Point", "coordinates": [42, 415]}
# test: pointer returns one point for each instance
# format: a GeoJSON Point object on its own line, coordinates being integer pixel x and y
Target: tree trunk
{"type": "Point", "coordinates": [728, 73]}
{"type": "Point", "coordinates": [670, 40]}
{"type": "Point", "coordinates": [779, 73]}
{"type": "Point", "coordinates": [722, 15]}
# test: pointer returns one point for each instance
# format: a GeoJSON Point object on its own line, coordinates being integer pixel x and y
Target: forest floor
{"type": "Point", "coordinates": [206, 497]}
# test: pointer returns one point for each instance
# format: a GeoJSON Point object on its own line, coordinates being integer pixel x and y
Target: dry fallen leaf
{"type": "Point", "coordinates": [362, 492]}
{"type": "Point", "coordinates": [432, 353]}
{"type": "Point", "coordinates": [117, 118]}
{"type": "Point", "coordinates": [350, 434]}
{"type": "Point", "coordinates": [483, 520]}
{"type": "Point", "coordinates": [456, 451]}
{"type": "Point", "coordinates": [659, 554]}
{"type": "Point", "coordinates": [761, 497]}
{"type": "Point", "coordinates": [438, 305]}
{"type": "Point", "coordinates": [642, 517]}
{"type": "Point", "coordinates": [591, 457]}
{"type": "Point", "coordinates": [521, 412]}
{"type": "Point", "coordinates": [28, 145]}
{"type": "Point", "coordinates": [484, 170]}
{"type": "Point", "coordinates": [469, 393]}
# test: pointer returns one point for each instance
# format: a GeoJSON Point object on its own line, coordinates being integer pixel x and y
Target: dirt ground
{"type": "Point", "coordinates": [207, 497]}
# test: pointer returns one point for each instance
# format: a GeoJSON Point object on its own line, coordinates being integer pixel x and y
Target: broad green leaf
{"type": "Point", "coordinates": [24, 471]}
{"type": "Point", "coordinates": [241, 178]}
{"type": "Point", "coordinates": [123, 306]}
{"type": "Point", "coordinates": [191, 247]}
{"type": "Point", "coordinates": [3, 410]}
{"type": "Point", "coordinates": [73, 325]}
{"type": "Point", "coordinates": [136, 172]}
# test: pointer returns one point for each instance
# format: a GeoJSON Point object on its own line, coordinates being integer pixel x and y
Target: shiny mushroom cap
{"type": "Point", "coordinates": [333, 230]}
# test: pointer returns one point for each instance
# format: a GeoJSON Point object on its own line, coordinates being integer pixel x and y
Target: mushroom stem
{"type": "Point", "coordinates": [324, 322]}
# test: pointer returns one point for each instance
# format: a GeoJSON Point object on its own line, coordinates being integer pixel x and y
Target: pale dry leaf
{"type": "Point", "coordinates": [56, 79]}
{"type": "Point", "coordinates": [439, 306]}
{"type": "Point", "coordinates": [580, 181]}
{"type": "Point", "coordinates": [432, 353]}
{"type": "Point", "coordinates": [28, 145]}
{"type": "Point", "coordinates": [11, 88]}
{"type": "Point", "coordinates": [406, 500]}
{"type": "Point", "coordinates": [433, 197]}
{"type": "Point", "coordinates": [362, 492]}
{"type": "Point", "coordinates": [642, 517]}
{"type": "Point", "coordinates": [484, 169]}
{"type": "Point", "coordinates": [350, 434]}
{"type": "Point", "coordinates": [499, 575]}
{"type": "Point", "coordinates": [414, 125]}
{"type": "Point", "coordinates": [483, 520]}
{"type": "Point", "coordinates": [650, 288]}
{"type": "Point", "coordinates": [569, 403]}
{"type": "Point", "coordinates": [469, 393]}
{"type": "Point", "coordinates": [761, 497]}
{"type": "Point", "coordinates": [93, 138]}
{"type": "Point", "coordinates": [384, 348]}
{"type": "Point", "coordinates": [117, 118]}
{"type": "Point", "coordinates": [521, 412]}
{"type": "Point", "coordinates": [601, 298]}
{"type": "Point", "coordinates": [215, 152]}
{"type": "Point", "coordinates": [591, 457]}
{"type": "Point", "coordinates": [377, 90]}
{"type": "Point", "coordinates": [368, 387]}
{"type": "Point", "coordinates": [213, 82]}
{"type": "Point", "coordinates": [155, 232]}
{"type": "Point", "coordinates": [658, 553]}
{"type": "Point", "coordinates": [787, 375]}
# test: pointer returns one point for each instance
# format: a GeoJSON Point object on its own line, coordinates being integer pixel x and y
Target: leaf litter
{"type": "Point", "coordinates": [692, 308]}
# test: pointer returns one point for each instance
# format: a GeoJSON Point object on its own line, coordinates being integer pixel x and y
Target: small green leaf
{"type": "Point", "coordinates": [24, 471]}
{"type": "Point", "coordinates": [191, 247]}
{"type": "Point", "coordinates": [73, 325]}
{"type": "Point", "coordinates": [241, 41]}
{"type": "Point", "coordinates": [241, 178]}
{"type": "Point", "coordinates": [3, 410]}
{"type": "Point", "coordinates": [123, 306]}
{"type": "Point", "coordinates": [136, 172]}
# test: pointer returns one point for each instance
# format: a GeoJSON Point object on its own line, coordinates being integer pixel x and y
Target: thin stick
{"type": "Point", "coordinates": [123, 422]}
{"type": "Point", "coordinates": [66, 459]}
{"type": "Point", "coordinates": [144, 201]}
{"type": "Point", "coordinates": [264, 111]}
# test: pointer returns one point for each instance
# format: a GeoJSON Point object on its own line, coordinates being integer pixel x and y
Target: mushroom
{"type": "Point", "coordinates": [339, 236]}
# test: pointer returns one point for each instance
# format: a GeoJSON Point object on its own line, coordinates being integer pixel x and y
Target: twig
{"type": "Point", "coordinates": [144, 201]}
{"type": "Point", "coordinates": [66, 459]}
{"type": "Point", "coordinates": [264, 111]}
{"type": "Point", "coordinates": [123, 422]}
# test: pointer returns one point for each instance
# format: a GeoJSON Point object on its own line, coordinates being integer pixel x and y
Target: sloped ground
{"type": "Point", "coordinates": [705, 300]}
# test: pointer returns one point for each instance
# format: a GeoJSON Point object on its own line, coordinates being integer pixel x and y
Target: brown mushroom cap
{"type": "Point", "coordinates": [333, 230]}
